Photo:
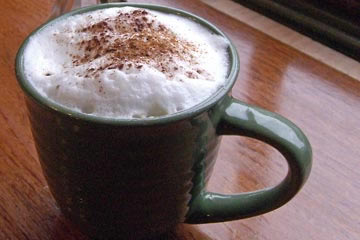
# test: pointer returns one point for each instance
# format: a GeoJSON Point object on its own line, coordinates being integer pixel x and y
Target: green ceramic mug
{"type": "Point", "coordinates": [139, 178]}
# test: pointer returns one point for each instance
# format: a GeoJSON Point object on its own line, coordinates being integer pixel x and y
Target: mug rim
{"type": "Point", "coordinates": [199, 108]}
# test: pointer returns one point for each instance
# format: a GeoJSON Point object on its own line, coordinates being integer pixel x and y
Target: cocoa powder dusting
{"type": "Point", "coordinates": [132, 40]}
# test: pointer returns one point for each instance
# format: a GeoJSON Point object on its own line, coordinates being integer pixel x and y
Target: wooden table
{"type": "Point", "coordinates": [320, 100]}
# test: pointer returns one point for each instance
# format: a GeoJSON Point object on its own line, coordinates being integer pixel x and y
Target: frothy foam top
{"type": "Point", "coordinates": [126, 63]}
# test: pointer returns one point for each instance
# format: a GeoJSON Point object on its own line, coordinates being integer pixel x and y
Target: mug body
{"type": "Point", "coordinates": [130, 181]}
{"type": "Point", "coordinates": [130, 178]}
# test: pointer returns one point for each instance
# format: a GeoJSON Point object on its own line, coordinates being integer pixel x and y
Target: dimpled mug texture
{"type": "Point", "coordinates": [118, 178]}
{"type": "Point", "coordinates": [137, 178]}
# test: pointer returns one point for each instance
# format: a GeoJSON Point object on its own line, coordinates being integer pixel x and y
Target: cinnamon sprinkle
{"type": "Point", "coordinates": [129, 39]}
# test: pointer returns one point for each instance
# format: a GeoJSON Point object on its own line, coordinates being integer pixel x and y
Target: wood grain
{"type": "Point", "coordinates": [320, 100]}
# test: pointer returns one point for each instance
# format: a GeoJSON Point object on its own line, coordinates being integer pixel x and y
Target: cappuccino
{"type": "Point", "coordinates": [126, 63]}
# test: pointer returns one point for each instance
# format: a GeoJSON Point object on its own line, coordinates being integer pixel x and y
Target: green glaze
{"type": "Point", "coordinates": [140, 178]}
{"type": "Point", "coordinates": [238, 118]}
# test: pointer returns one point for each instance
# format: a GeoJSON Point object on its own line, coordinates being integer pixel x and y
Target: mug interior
{"type": "Point", "coordinates": [187, 113]}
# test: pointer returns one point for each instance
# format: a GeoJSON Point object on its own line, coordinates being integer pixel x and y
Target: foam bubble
{"type": "Point", "coordinates": [126, 63]}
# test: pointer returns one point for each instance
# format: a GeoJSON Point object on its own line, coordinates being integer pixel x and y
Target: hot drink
{"type": "Point", "coordinates": [127, 63]}
{"type": "Point", "coordinates": [95, 81]}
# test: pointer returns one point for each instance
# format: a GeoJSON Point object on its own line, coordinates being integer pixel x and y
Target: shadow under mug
{"type": "Point", "coordinates": [141, 177]}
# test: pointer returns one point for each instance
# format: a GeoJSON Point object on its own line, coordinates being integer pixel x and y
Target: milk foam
{"type": "Point", "coordinates": [126, 82]}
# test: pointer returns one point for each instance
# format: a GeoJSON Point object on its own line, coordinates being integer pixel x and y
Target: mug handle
{"type": "Point", "coordinates": [238, 118]}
